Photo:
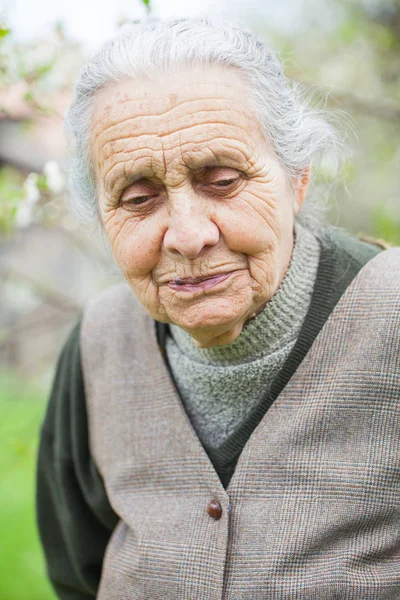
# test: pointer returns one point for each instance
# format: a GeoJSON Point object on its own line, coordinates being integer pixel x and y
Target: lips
{"type": "Point", "coordinates": [195, 280]}
{"type": "Point", "coordinates": [192, 284]}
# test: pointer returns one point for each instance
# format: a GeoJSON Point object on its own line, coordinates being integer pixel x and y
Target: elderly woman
{"type": "Point", "coordinates": [225, 424]}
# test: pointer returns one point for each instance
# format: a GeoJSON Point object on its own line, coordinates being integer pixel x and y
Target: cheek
{"type": "Point", "coordinates": [251, 222]}
{"type": "Point", "coordinates": [135, 243]}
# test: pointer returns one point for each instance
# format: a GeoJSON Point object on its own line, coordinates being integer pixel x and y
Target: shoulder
{"type": "Point", "coordinates": [112, 310]}
{"type": "Point", "coordinates": [381, 277]}
{"type": "Point", "coordinates": [114, 323]}
{"type": "Point", "coordinates": [359, 254]}
{"type": "Point", "coordinates": [116, 297]}
{"type": "Point", "coordinates": [346, 255]}
{"type": "Point", "coordinates": [347, 248]}
{"type": "Point", "coordinates": [103, 312]}
{"type": "Point", "coordinates": [371, 274]}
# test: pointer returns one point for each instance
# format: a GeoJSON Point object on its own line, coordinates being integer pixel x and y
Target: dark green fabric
{"type": "Point", "coordinates": [74, 516]}
{"type": "Point", "coordinates": [75, 519]}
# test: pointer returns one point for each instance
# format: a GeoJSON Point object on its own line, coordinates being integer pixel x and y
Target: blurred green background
{"type": "Point", "coordinates": [347, 52]}
{"type": "Point", "coordinates": [21, 563]}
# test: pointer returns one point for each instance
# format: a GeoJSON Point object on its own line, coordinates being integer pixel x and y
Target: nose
{"type": "Point", "coordinates": [189, 231]}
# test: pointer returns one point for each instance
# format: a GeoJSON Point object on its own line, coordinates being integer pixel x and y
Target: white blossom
{"type": "Point", "coordinates": [54, 178]}
{"type": "Point", "coordinates": [24, 215]}
{"type": "Point", "coordinates": [23, 218]}
{"type": "Point", "coordinates": [32, 192]}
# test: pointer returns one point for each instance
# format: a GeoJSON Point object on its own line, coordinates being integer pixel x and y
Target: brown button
{"type": "Point", "coordinates": [214, 509]}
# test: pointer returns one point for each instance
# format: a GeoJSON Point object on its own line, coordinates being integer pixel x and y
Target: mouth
{"type": "Point", "coordinates": [189, 284]}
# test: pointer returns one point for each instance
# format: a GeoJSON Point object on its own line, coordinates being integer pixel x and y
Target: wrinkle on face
{"type": "Point", "coordinates": [202, 120]}
{"type": "Point", "coordinates": [132, 137]}
{"type": "Point", "coordinates": [150, 104]}
{"type": "Point", "coordinates": [168, 159]}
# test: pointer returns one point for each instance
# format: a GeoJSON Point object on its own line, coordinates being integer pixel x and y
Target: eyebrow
{"type": "Point", "coordinates": [195, 162]}
{"type": "Point", "coordinates": [215, 160]}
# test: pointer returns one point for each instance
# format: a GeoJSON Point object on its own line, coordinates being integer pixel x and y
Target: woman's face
{"type": "Point", "coordinates": [197, 208]}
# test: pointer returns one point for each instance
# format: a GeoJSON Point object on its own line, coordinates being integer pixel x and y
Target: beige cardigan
{"type": "Point", "coordinates": [313, 508]}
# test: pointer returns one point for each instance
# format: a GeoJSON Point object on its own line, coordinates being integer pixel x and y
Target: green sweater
{"type": "Point", "coordinates": [75, 518]}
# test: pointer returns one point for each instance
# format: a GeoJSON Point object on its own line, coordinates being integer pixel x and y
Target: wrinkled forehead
{"type": "Point", "coordinates": [173, 122]}
{"type": "Point", "coordinates": [167, 94]}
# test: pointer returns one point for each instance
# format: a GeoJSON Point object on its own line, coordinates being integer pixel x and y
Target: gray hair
{"type": "Point", "coordinates": [299, 134]}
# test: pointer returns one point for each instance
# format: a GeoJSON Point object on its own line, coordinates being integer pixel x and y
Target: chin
{"type": "Point", "coordinates": [211, 318]}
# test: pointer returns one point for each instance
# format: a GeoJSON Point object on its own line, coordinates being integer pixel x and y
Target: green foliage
{"type": "Point", "coordinates": [11, 194]}
{"type": "Point", "coordinates": [386, 226]}
{"type": "Point", "coordinates": [30, 99]}
{"type": "Point", "coordinates": [30, 64]}
{"type": "Point", "coordinates": [384, 38]}
{"type": "Point", "coordinates": [4, 31]}
{"type": "Point", "coordinates": [350, 51]}
{"type": "Point", "coordinates": [27, 76]}
{"type": "Point", "coordinates": [348, 31]}
{"type": "Point", "coordinates": [22, 570]}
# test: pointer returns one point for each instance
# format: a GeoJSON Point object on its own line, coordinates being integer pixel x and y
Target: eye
{"type": "Point", "coordinates": [138, 200]}
{"type": "Point", "coordinates": [225, 182]}
{"type": "Point", "coordinates": [141, 192]}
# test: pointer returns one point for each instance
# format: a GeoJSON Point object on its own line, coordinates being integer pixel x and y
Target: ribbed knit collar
{"type": "Point", "coordinates": [277, 322]}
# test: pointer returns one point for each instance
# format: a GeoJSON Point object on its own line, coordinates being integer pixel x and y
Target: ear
{"type": "Point", "coordinates": [301, 185]}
